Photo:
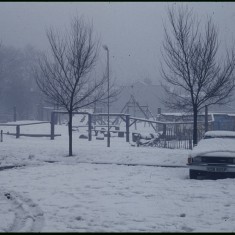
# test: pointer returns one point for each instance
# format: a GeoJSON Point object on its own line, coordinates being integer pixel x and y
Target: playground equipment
{"type": "Point", "coordinates": [167, 128]}
{"type": "Point", "coordinates": [132, 107]}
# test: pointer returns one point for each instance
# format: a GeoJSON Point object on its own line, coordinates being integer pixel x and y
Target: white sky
{"type": "Point", "coordinates": [133, 31]}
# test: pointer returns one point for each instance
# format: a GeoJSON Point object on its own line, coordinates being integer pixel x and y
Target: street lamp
{"type": "Point", "coordinates": [107, 49]}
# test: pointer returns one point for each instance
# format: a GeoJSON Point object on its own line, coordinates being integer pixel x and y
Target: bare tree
{"type": "Point", "coordinates": [65, 79]}
{"type": "Point", "coordinates": [193, 77]}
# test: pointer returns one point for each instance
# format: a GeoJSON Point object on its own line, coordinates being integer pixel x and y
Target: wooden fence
{"type": "Point", "coordinates": [18, 133]}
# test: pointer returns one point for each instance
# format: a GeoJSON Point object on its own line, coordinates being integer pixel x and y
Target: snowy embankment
{"type": "Point", "coordinates": [73, 195]}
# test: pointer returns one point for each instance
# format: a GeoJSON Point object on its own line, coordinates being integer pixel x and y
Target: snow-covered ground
{"type": "Point", "coordinates": [116, 189]}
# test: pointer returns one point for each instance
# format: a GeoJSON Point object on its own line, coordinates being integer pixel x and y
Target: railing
{"type": "Point", "coordinates": [18, 129]}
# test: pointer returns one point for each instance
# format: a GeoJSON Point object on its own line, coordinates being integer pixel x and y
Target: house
{"type": "Point", "coordinates": [217, 121]}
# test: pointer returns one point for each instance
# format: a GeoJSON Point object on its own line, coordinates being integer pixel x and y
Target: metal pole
{"type": "Point", "coordinates": [108, 144]}
{"type": "Point", "coordinates": [89, 127]}
{"type": "Point", "coordinates": [52, 126]}
{"type": "Point", "coordinates": [206, 118]}
{"type": "Point", "coordinates": [107, 49]}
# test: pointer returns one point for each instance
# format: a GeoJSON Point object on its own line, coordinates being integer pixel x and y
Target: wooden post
{"type": "Point", "coordinates": [190, 144]}
{"type": "Point", "coordinates": [14, 110]}
{"type": "Point", "coordinates": [206, 118]}
{"type": "Point", "coordinates": [56, 118]}
{"type": "Point", "coordinates": [159, 111]}
{"type": "Point", "coordinates": [1, 136]}
{"type": "Point", "coordinates": [135, 116]}
{"type": "Point", "coordinates": [127, 128]}
{"type": "Point", "coordinates": [89, 127]}
{"type": "Point", "coordinates": [164, 134]}
{"type": "Point", "coordinates": [52, 126]}
{"type": "Point", "coordinates": [164, 130]}
{"type": "Point", "coordinates": [17, 131]}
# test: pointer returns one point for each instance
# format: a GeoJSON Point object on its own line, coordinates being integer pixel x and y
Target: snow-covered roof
{"type": "Point", "coordinates": [184, 114]}
{"type": "Point", "coordinates": [175, 114]}
{"type": "Point", "coordinates": [209, 113]}
{"type": "Point", "coordinates": [220, 133]}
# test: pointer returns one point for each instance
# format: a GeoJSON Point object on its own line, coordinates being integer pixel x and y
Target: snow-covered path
{"type": "Point", "coordinates": [27, 215]}
{"type": "Point", "coordinates": [114, 198]}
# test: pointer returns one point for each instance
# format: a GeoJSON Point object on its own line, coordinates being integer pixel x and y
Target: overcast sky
{"type": "Point", "coordinates": [133, 31]}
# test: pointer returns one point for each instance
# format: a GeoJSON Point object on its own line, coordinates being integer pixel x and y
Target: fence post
{"type": "Point", "coordinates": [1, 136]}
{"type": "Point", "coordinates": [127, 128]}
{"type": "Point", "coordinates": [17, 131]}
{"type": "Point", "coordinates": [89, 127]}
{"type": "Point", "coordinates": [164, 134]}
{"type": "Point", "coordinates": [52, 126]}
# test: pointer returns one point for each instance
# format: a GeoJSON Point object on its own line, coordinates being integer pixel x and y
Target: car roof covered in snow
{"type": "Point", "coordinates": [220, 134]}
{"type": "Point", "coordinates": [223, 147]}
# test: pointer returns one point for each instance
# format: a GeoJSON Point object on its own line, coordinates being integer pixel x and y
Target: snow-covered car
{"type": "Point", "coordinates": [213, 156]}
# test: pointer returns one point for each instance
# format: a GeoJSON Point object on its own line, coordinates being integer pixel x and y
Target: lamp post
{"type": "Point", "coordinates": [107, 49]}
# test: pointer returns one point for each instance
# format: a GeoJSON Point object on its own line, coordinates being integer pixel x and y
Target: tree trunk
{"type": "Point", "coordinates": [195, 112]}
{"type": "Point", "coordinates": [70, 134]}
